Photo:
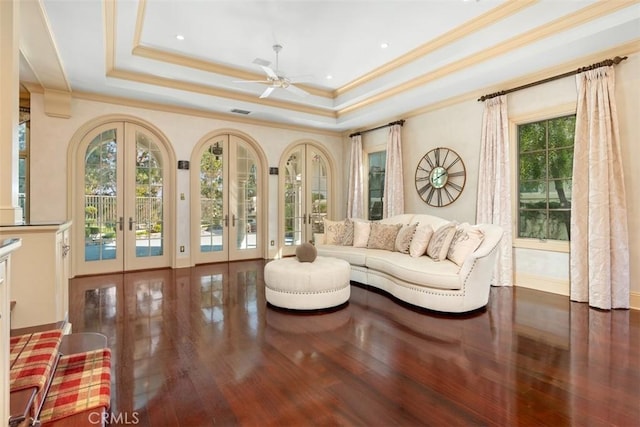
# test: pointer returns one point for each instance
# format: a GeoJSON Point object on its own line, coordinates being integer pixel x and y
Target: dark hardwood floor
{"type": "Point", "coordinates": [200, 347]}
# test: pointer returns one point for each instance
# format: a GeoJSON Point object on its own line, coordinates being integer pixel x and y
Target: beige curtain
{"type": "Point", "coordinates": [355, 200]}
{"type": "Point", "coordinates": [393, 183]}
{"type": "Point", "coordinates": [599, 237]}
{"type": "Point", "coordinates": [494, 184]}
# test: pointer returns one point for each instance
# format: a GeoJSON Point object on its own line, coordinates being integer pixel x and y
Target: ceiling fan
{"type": "Point", "coordinates": [275, 78]}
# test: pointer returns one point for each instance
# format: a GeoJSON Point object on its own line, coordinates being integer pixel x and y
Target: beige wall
{"type": "Point", "coordinates": [457, 127]}
{"type": "Point", "coordinates": [50, 138]}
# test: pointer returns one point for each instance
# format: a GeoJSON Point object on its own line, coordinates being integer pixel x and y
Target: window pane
{"type": "Point", "coordinates": [559, 225]}
{"type": "Point", "coordinates": [22, 186]}
{"type": "Point", "coordinates": [101, 208]}
{"type": "Point", "coordinates": [536, 198]}
{"type": "Point", "coordinates": [533, 166]}
{"type": "Point", "coordinates": [22, 136]}
{"type": "Point", "coordinates": [545, 168]}
{"type": "Point", "coordinates": [246, 179]}
{"type": "Point", "coordinates": [561, 131]}
{"type": "Point", "coordinates": [533, 224]}
{"type": "Point", "coordinates": [149, 218]}
{"type": "Point", "coordinates": [532, 136]}
{"type": "Point", "coordinates": [293, 199]}
{"type": "Point", "coordinates": [560, 194]}
{"type": "Point", "coordinates": [319, 191]}
{"type": "Point", "coordinates": [561, 163]}
{"type": "Point", "coordinates": [377, 162]}
{"type": "Point", "coordinates": [211, 198]}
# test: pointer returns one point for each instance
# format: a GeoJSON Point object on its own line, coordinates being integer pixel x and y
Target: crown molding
{"type": "Point", "coordinates": [212, 67]}
{"type": "Point", "coordinates": [586, 14]}
{"type": "Point", "coordinates": [629, 48]}
{"type": "Point", "coordinates": [194, 112]}
{"type": "Point", "coordinates": [494, 15]}
{"type": "Point", "coordinates": [212, 91]}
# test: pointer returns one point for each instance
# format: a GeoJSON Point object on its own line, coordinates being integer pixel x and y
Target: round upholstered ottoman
{"type": "Point", "coordinates": [322, 283]}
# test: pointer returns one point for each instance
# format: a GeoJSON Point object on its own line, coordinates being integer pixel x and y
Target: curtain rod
{"type": "Point", "coordinates": [397, 122]}
{"type": "Point", "coordinates": [606, 62]}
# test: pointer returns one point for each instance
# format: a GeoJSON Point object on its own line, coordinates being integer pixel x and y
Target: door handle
{"type": "Point", "coordinates": [131, 222]}
{"type": "Point", "coordinates": [233, 220]}
{"type": "Point", "coordinates": [226, 220]}
{"type": "Point", "coordinates": [120, 223]}
{"type": "Point", "coordinates": [304, 218]}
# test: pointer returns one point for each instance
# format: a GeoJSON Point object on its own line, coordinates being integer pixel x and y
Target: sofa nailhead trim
{"type": "Point", "coordinates": [324, 291]}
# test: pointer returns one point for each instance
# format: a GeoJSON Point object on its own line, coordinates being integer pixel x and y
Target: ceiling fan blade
{"type": "Point", "coordinates": [272, 74]}
{"type": "Point", "coordinates": [297, 90]}
{"type": "Point", "coordinates": [267, 92]}
{"type": "Point", "coordinates": [252, 81]}
{"type": "Point", "coordinates": [261, 62]}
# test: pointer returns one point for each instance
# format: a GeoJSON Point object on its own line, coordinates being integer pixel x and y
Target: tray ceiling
{"type": "Point", "coordinates": [435, 51]}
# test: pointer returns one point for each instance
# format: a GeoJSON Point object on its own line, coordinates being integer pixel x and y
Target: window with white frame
{"type": "Point", "coordinates": [23, 162]}
{"type": "Point", "coordinates": [545, 166]}
{"type": "Point", "coordinates": [375, 184]}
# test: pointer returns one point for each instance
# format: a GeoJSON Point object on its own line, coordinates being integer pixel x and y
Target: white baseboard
{"type": "Point", "coordinates": [183, 262]}
{"type": "Point", "coordinates": [634, 300]}
{"type": "Point", "coordinates": [543, 283]}
{"type": "Point", "coordinates": [560, 286]}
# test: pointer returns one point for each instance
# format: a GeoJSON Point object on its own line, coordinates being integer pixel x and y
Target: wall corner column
{"type": "Point", "coordinates": [10, 211]}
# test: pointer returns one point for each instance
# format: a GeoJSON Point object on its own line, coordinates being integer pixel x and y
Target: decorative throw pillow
{"type": "Point", "coordinates": [361, 232]}
{"type": "Point", "coordinates": [306, 252]}
{"type": "Point", "coordinates": [465, 240]}
{"type": "Point", "coordinates": [440, 241]}
{"type": "Point", "coordinates": [383, 236]}
{"type": "Point", "coordinates": [347, 238]}
{"type": "Point", "coordinates": [404, 237]}
{"type": "Point", "coordinates": [420, 240]}
{"type": "Point", "coordinates": [333, 232]}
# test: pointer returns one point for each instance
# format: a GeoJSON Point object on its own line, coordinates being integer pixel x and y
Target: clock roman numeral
{"type": "Point", "coordinates": [460, 173]}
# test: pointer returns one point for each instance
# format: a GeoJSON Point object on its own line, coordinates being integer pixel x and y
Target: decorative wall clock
{"type": "Point", "coordinates": [440, 177]}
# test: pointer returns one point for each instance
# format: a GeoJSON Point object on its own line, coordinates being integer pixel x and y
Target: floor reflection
{"type": "Point", "coordinates": [200, 346]}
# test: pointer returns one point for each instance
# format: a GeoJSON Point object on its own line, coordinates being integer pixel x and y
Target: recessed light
{"type": "Point", "coordinates": [329, 77]}
{"type": "Point", "coordinates": [179, 37]}
{"type": "Point", "coordinates": [384, 45]}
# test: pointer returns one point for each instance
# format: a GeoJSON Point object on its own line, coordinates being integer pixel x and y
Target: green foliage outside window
{"type": "Point", "coordinates": [545, 164]}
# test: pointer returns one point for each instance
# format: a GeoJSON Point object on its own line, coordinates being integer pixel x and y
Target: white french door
{"type": "Point", "coordinates": [122, 202]}
{"type": "Point", "coordinates": [226, 209]}
{"type": "Point", "coordinates": [305, 183]}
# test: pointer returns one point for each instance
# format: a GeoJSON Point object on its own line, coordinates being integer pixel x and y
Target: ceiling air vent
{"type": "Point", "coordinates": [239, 111]}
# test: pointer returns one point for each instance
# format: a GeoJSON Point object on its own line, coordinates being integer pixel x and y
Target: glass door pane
{"type": "Point", "coordinates": [294, 198]}
{"type": "Point", "coordinates": [100, 197]}
{"type": "Point", "coordinates": [121, 199]}
{"type": "Point", "coordinates": [212, 198]}
{"type": "Point", "coordinates": [148, 221]}
{"type": "Point", "coordinates": [318, 180]}
{"type": "Point", "coordinates": [245, 215]}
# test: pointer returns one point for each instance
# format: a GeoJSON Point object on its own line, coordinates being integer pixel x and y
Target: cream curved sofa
{"type": "Point", "coordinates": [436, 285]}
